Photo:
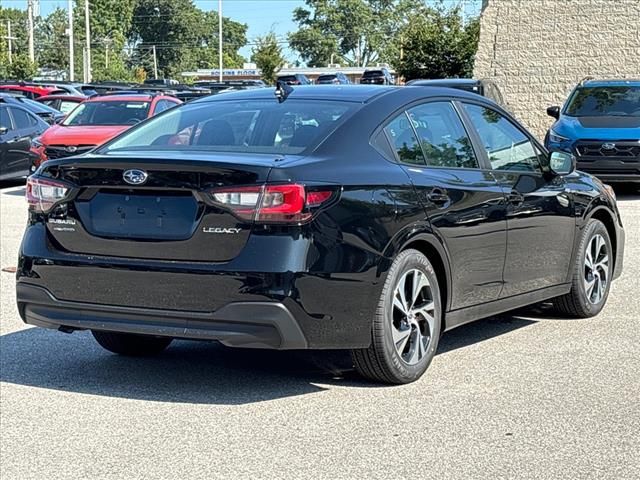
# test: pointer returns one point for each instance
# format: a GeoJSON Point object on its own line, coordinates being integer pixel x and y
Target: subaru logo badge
{"type": "Point", "coordinates": [71, 149]}
{"type": "Point", "coordinates": [608, 146]}
{"type": "Point", "coordinates": [135, 177]}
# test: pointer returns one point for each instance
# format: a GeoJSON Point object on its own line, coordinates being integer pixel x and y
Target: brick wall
{"type": "Point", "coordinates": [537, 50]}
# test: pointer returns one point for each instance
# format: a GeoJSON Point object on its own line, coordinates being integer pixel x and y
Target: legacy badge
{"type": "Point", "coordinates": [230, 231]}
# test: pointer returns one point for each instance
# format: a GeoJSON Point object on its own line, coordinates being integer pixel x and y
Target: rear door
{"type": "Point", "coordinates": [465, 205]}
{"type": "Point", "coordinates": [540, 213]}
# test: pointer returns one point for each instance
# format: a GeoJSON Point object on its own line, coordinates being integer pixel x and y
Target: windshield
{"type": "Point", "coordinates": [373, 73]}
{"type": "Point", "coordinates": [39, 107]}
{"type": "Point", "coordinates": [111, 112]}
{"type": "Point", "coordinates": [623, 101]}
{"type": "Point", "coordinates": [243, 126]}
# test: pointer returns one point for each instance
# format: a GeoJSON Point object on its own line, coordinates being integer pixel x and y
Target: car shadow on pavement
{"type": "Point", "coordinates": [195, 372]}
{"type": "Point", "coordinates": [19, 192]}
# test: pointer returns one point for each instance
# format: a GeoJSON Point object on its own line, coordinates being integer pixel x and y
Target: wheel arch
{"type": "Point", "coordinates": [604, 214]}
{"type": "Point", "coordinates": [431, 247]}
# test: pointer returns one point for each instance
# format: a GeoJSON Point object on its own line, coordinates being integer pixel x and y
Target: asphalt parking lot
{"type": "Point", "coordinates": [524, 395]}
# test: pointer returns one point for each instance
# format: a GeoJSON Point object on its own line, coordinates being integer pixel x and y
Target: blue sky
{"type": "Point", "coordinates": [260, 15]}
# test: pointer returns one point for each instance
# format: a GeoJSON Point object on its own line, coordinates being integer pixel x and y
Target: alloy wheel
{"type": "Point", "coordinates": [413, 316]}
{"type": "Point", "coordinates": [596, 269]}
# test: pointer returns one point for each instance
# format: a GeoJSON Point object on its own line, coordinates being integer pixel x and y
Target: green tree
{"type": "Point", "coordinates": [110, 23]}
{"type": "Point", "coordinates": [52, 41]}
{"type": "Point", "coordinates": [437, 43]}
{"type": "Point", "coordinates": [184, 36]}
{"type": "Point", "coordinates": [22, 68]}
{"type": "Point", "coordinates": [267, 55]}
{"type": "Point", "coordinates": [355, 32]}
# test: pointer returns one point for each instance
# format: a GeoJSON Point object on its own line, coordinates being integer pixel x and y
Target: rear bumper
{"type": "Point", "coordinates": [238, 324]}
{"type": "Point", "coordinates": [282, 300]}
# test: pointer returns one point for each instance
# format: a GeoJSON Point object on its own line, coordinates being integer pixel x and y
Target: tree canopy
{"type": "Point", "coordinates": [123, 33]}
{"type": "Point", "coordinates": [416, 39]}
{"type": "Point", "coordinates": [437, 43]}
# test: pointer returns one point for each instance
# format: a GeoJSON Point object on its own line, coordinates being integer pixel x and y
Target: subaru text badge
{"type": "Point", "coordinates": [135, 177]}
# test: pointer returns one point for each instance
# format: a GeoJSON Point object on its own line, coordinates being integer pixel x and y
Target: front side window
{"type": "Point", "coordinates": [243, 126]}
{"type": "Point", "coordinates": [403, 140]}
{"type": "Point", "coordinates": [623, 101]}
{"type": "Point", "coordinates": [442, 135]}
{"type": "Point", "coordinates": [507, 147]}
{"type": "Point", "coordinates": [113, 112]}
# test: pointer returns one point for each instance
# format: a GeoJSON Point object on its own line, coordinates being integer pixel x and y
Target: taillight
{"type": "Point", "coordinates": [289, 203]}
{"type": "Point", "coordinates": [43, 194]}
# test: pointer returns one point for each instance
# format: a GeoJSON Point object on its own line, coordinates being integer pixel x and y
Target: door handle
{"type": "Point", "coordinates": [438, 196]}
{"type": "Point", "coordinates": [515, 197]}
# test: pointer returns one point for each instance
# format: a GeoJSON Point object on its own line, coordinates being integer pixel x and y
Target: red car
{"type": "Point", "coordinates": [63, 103]}
{"type": "Point", "coordinates": [95, 121]}
{"type": "Point", "coordinates": [29, 91]}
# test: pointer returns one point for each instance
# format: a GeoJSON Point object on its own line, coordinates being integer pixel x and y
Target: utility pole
{"type": "Point", "coordinates": [155, 62]}
{"type": "Point", "coordinates": [87, 31]}
{"type": "Point", "coordinates": [220, 37]}
{"type": "Point", "coordinates": [70, 33]}
{"type": "Point", "coordinates": [9, 38]}
{"type": "Point", "coordinates": [32, 55]}
{"type": "Point", "coordinates": [107, 43]}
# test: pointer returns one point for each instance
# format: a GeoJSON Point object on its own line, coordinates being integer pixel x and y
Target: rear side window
{"type": "Point", "coordinates": [403, 140]}
{"type": "Point", "coordinates": [442, 135]}
{"type": "Point", "coordinates": [507, 147]}
{"type": "Point", "coordinates": [66, 107]}
{"type": "Point", "coordinates": [244, 126]}
{"type": "Point", "coordinates": [5, 121]}
{"type": "Point", "coordinates": [21, 118]}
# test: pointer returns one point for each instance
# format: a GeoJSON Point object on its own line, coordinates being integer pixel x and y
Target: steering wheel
{"type": "Point", "coordinates": [132, 121]}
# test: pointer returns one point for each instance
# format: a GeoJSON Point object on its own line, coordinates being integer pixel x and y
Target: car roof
{"type": "Point", "coordinates": [62, 96]}
{"type": "Point", "coordinates": [345, 93]}
{"type": "Point", "coordinates": [611, 83]}
{"type": "Point", "coordinates": [446, 81]}
{"type": "Point", "coordinates": [133, 97]}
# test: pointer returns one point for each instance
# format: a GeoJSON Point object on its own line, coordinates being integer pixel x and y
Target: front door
{"type": "Point", "coordinates": [465, 205]}
{"type": "Point", "coordinates": [17, 161]}
{"type": "Point", "coordinates": [540, 220]}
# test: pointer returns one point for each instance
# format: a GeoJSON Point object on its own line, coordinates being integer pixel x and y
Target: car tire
{"type": "Point", "coordinates": [406, 327]}
{"type": "Point", "coordinates": [592, 273]}
{"type": "Point", "coordinates": [130, 344]}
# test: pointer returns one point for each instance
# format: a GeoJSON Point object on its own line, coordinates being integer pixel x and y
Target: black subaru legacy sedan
{"type": "Point", "coordinates": [364, 218]}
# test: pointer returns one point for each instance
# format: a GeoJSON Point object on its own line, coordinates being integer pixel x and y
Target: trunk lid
{"type": "Point", "coordinates": [168, 216]}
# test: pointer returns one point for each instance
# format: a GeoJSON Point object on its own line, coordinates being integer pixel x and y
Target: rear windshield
{"type": "Point", "coordinates": [287, 78]}
{"type": "Point", "coordinates": [372, 73]}
{"type": "Point", "coordinates": [623, 101]}
{"type": "Point", "coordinates": [108, 113]}
{"type": "Point", "coordinates": [326, 77]}
{"type": "Point", "coordinates": [244, 126]}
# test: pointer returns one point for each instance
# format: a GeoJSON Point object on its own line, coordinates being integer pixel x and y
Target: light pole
{"type": "Point", "coordinates": [32, 55]}
{"type": "Point", "coordinates": [220, 38]}
{"type": "Point", "coordinates": [87, 31]}
{"type": "Point", "coordinates": [71, 59]}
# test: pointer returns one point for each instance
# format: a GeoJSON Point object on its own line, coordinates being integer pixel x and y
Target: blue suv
{"type": "Point", "coordinates": [600, 124]}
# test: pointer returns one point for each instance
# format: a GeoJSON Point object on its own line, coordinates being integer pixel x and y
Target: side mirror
{"type": "Point", "coordinates": [3, 130]}
{"type": "Point", "coordinates": [554, 112]}
{"type": "Point", "coordinates": [562, 163]}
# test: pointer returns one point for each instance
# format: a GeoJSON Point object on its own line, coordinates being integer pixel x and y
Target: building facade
{"type": "Point", "coordinates": [536, 51]}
